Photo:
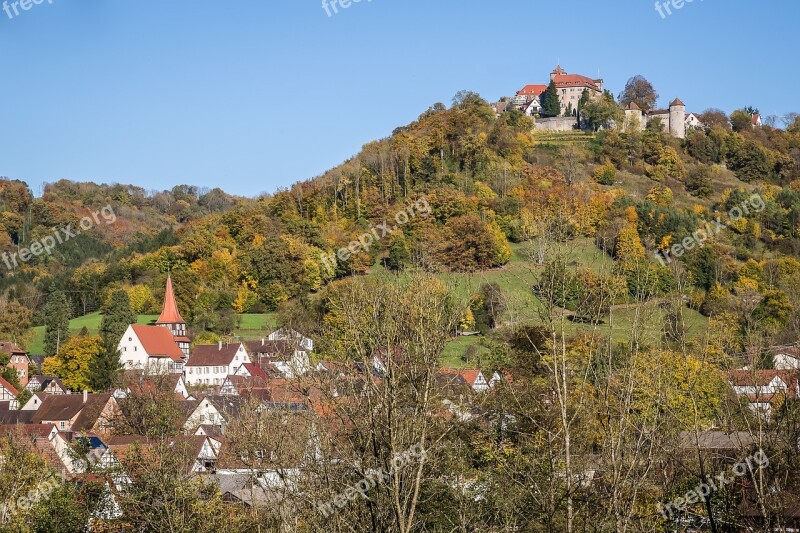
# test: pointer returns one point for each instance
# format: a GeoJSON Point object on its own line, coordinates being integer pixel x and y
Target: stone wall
{"type": "Point", "coordinates": [557, 124]}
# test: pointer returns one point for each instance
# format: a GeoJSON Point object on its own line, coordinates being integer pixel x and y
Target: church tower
{"type": "Point", "coordinates": [172, 320]}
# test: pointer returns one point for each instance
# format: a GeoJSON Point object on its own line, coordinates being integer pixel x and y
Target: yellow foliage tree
{"type": "Point", "coordinates": [629, 249]}
{"type": "Point", "coordinates": [141, 298]}
{"type": "Point", "coordinates": [73, 361]}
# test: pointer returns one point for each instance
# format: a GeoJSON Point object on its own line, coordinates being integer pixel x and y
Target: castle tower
{"type": "Point", "coordinates": [634, 117]}
{"type": "Point", "coordinates": [677, 119]}
{"type": "Point", "coordinates": [172, 320]}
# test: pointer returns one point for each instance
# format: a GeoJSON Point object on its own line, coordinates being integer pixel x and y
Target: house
{"type": "Point", "coordinates": [46, 384]}
{"type": "Point", "coordinates": [137, 382]}
{"type": "Point", "coordinates": [785, 357]}
{"type": "Point", "coordinates": [199, 452]}
{"type": "Point", "coordinates": [763, 388]}
{"type": "Point", "coordinates": [474, 378]}
{"type": "Point", "coordinates": [693, 122]}
{"type": "Point", "coordinates": [285, 334]}
{"type": "Point", "coordinates": [210, 364]}
{"type": "Point", "coordinates": [213, 411]}
{"type": "Point", "coordinates": [757, 122]}
{"type": "Point", "coordinates": [289, 356]}
{"type": "Point", "coordinates": [79, 412]}
{"type": "Point", "coordinates": [38, 439]}
{"type": "Point", "coordinates": [8, 393]}
{"type": "Point", "coordinates": [172, 320]}
{"type": "Point", "coordinates": [151, 349]}
{"type": "Point", "coordinates": [35, 402]}
{"type": "Point", "coordinates": [18, 360]}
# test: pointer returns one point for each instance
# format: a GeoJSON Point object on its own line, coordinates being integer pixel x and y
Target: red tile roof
{"type": "Point", "coordinates": [158, 342]}
{"type": "Point", "coordinates": [170, 314]}
{"type": "Point", "coordinates": [574, 80]}
{"type": "Point", "coordinates": [9, 387]}
{"type": "Point", "coordinates": [255, 371]}
{"type": "Point", "coordinates": [532, 90]}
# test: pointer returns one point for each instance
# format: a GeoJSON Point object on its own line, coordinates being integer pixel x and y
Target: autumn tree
{"type": "Point", "coordinates": [73, 362]}
{"type": "Point", "coordinates": [639, 91]}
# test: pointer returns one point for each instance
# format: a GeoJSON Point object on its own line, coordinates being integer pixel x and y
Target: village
{"type": "Point", "coordinates": [209, 385]}
{"type": "Point", "coordinates": [213, 386]}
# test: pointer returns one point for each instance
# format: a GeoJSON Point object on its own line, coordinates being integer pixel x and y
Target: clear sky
{"type": "Point", "coordinates": [253, 95]}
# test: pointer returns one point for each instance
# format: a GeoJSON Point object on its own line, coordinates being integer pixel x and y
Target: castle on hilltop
{"type": "Point", "coordinates": [672, 119]}
{"type": "Point", "coordinates": [571, 88]}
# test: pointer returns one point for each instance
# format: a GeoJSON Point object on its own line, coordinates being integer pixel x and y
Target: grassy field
{"type": "Point", "coordinates": [252, 326]}
{"type": "Point", "coordinates": [517, 279]}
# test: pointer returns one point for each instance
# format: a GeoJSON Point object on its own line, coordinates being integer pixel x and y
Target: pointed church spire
{"type": "Point", "coordinates": [170, 314]}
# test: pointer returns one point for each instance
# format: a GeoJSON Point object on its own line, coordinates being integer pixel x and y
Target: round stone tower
{"type": "Point", "coordinates": [677, 119]}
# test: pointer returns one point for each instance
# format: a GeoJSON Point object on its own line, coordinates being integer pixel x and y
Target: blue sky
{"type": "Point", "coordinates": [253, 95]}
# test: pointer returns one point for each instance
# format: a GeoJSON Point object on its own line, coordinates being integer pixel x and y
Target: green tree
{"type": "Point", "coordinates": [551, 106]}
{"type": "Point", "coordinates": [741, 120]}
{"type": "Point", "coordinates": [57, 313]}
{"type": "Point", "coordinates": [602, 112]}
{"type": "Point", "coordinates": [117, 316]}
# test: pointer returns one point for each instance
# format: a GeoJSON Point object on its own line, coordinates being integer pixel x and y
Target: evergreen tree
{"type": "Point", "coordinates": [57, 313]}
{"type": "Point", "coordinates": [116, 318]}
{"type": "Point", "coordinates": [105, 367]}
{"type": "Point", "coordinates": [551, 106]}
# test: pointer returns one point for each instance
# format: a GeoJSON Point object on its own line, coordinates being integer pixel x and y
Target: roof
{"type": "Point", "coordinates": [10, 348]}
{"type": "Point", "coordinates": [170, 314]}
{"type": "Point", "coordinates": [213, 354]}
{"type": "Point", "coordinates": [633, 106]}
{"type": "Point", "coordinates": [676, 102]}
{"type": "Point", "coordinates": [68, 406]}
{"type": "Point", "coordinates": [9, 387]}
{"type": "Point", "coordinates": [754, 378]}
{"type": "Point", "coordinates": [716, 440]}
{"type": "Point", "coordinates": [158, 342]}
{"type": "Point", "coordinates": [16, 417]}
{"type": "Point", "coordinates": [33, 430]}
{"type": "Point", "coordinates": [45, 381]}
{"type": "Point", "coordinates": [470, 376]}
{"type": "Point", "coordinates": [91, 412]}
{"type": "Point", "coordinates": [534, 90]}
{"type": "Point", "coordinates": [255, 371]}
{"type": "Point", "coordinates": [277, 348]}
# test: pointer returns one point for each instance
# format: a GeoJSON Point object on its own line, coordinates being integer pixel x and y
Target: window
{"type": "Point", "coordinates": [61, 424]}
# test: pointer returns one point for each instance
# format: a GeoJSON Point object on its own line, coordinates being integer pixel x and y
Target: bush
{"type": "Point", "coordinates": [605, 174]}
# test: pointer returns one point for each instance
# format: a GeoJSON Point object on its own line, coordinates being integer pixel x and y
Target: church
{"type": "Point", "coordinates": [163, 347]}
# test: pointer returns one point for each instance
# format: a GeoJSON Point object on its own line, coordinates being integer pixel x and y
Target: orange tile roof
{"type": "Point", "coordinates": [170, 314]}
{"type": "Point", "coordinates": [158, 342]}
{"type": "Point", "coordinates": [534, 90]}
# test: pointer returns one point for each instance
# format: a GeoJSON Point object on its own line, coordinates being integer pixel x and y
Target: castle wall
{"type": "Point", "coordinates": [557, 124]}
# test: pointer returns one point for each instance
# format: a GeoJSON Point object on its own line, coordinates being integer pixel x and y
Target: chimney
{"type": "Point", "coordinates": [220, 345]}
{"type": "Point", "coordinates": [263, 341]}
{"type": "Point", "coordinates": [85, 396]}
